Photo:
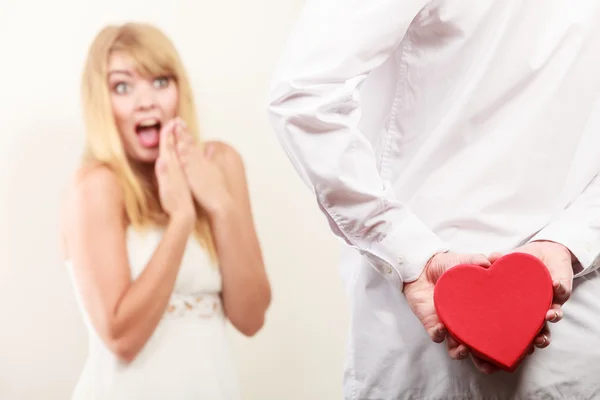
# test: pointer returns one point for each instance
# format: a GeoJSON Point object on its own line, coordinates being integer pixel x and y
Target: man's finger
{"type": "Point", "coordinates": [562, 290]}
{"type": "Point", "coordinates": [478, 259]}
{"type": "Point", "coordinates": [452, 343]}
{"type": "Point", "coordinates": [555, 313]}
{"type": "Point", "coordinates": [438, 333]}
{"type": "Point", "coordinates": [483, 366]}
{"type": "Point", "coordinates": [456, 350]}
{"type": "Point", "coordinates": [543, 338]}
{"type": "Point", "coordinates": [494, 257]}
{"type": "Point", "coordinates": [441, 262]}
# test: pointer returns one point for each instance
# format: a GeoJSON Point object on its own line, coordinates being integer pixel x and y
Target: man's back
{"type": "Point", "coordinates": [471, 126]}
{"type": "Point", "coordinates": [494, 124]}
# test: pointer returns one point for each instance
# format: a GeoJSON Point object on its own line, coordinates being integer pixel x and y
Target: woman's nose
{"type": "Point", "coordinates": [146, 100]}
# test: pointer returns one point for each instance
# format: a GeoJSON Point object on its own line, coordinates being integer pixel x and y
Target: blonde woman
{"type": "Point", "coordinates": [157, 231]}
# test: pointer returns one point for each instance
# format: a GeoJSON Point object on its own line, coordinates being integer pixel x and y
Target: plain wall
{"type": "Point", "coordinates": [230, 48]}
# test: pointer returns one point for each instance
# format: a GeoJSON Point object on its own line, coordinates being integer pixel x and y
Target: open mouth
{"type": "Point", "coordinates": [148, 132]}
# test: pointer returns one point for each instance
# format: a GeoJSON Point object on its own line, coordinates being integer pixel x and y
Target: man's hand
{"type": "Point", "coordinates": [419, 295]}
{"type": "Point", "coordinates": [559, 261]}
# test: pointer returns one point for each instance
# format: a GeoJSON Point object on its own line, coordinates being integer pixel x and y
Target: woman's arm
{"type": "Point", "coordinates": [246, 290]}
{"type": "Point", "coordinates": [123, 312]}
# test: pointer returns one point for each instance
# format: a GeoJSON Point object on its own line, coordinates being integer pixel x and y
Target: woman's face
{"type": "Point", "coordinates": [141, 105]}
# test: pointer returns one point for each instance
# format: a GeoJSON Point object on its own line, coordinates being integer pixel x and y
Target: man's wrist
{"type": "Point", "coordinates": [425, 268]}
{"type": "Point", "coordinates": [563, 248]}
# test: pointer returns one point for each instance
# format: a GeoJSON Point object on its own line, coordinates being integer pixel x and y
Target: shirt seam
{"type": "Point", "coordinates": [401, 84]}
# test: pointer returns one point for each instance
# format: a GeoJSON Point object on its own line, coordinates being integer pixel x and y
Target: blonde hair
{"type": "Point", "coordinates": [154, 55]}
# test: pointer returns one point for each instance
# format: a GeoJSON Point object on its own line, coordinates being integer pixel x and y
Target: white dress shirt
{"type": "Point", "coordinates": [470, 126]}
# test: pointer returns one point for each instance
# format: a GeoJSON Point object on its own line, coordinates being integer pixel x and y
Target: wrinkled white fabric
{"type": "Point", "coordinates": [424, 126]}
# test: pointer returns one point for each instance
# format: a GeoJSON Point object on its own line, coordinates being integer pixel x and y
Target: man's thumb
{"type": "Point", "coordinates": [440, 263]}
{"type": "Point", "coordinates": [435, 267]}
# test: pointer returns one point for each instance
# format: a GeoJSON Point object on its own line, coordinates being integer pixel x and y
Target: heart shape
{"type": "Point", "coordinates": [498, 311]}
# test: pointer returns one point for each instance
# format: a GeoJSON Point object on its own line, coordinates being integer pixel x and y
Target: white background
{"type": "Point", "coordinates": [230, 48]}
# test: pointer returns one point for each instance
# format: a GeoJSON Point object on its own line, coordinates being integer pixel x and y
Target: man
{"type": "Point", "coordinates": [435, 133]}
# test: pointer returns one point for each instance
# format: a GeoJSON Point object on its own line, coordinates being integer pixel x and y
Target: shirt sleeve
{"type": "Point", "coordinates": [314, 107]}
{"type": "Point", "coordinates": [578, 229]}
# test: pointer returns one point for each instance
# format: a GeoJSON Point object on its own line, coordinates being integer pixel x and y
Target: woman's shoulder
{"type": "Point", "coordinates": [93, 193]}
{"type": "Point", "coordinates": [93, 189]}
{"type": "Point", "coordinates": [232, 165]}
{"type": "Point", "coordinates": [95, 181]}
{"type": "Point", "coordinates": [226, 156]}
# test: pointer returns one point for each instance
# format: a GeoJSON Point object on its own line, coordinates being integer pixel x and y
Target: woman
{"type": "Point", "coordinates": [158, 231]}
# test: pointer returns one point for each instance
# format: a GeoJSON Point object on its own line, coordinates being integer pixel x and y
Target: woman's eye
{"type": "Point", "coordinates": [121, 88]}
{"type": "Point", "coordinates": [161, 82]}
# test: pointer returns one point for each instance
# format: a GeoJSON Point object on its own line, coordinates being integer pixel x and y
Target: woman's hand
{"type": "Point", "coordinates": [174, 191]}
{"type": "Point", "coordinates": [205, 177]}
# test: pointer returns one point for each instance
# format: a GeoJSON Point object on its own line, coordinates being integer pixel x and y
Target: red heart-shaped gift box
{"type": "Point", "coordinates": [498, 311]}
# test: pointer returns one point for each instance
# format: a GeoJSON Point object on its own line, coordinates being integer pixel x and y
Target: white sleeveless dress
{"type": "Point", "coordinates": [187, 356]}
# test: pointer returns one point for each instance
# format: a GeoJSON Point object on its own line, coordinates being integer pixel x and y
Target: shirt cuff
{"type": "Point", "coordinates": [402, 255]}
{"type": "Point", "coordinates": [583, 243]}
